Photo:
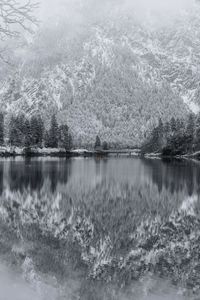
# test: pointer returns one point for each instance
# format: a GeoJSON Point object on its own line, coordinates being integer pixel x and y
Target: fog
{"type": "Point", "coordinates": [14, 287]}
{"type": "Point", "coordinates": [75, 9]}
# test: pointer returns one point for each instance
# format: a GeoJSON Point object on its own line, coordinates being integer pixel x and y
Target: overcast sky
{"type": "Point", "coordinates": [51, 8]}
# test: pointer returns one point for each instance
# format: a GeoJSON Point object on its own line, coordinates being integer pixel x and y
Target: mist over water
{"type": "Point", "coordinates": [13, 285]}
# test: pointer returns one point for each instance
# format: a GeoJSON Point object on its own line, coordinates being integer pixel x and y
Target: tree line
{"type": "Point", "coordinates": [24, 132]}
{"type": "Point", "coordinates": [99, 145]}
{"type": "Point", "coordinates": [177, 137]}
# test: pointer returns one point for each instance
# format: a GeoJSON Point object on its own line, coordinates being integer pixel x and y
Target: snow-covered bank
{"type": "Point", "coordinates": [17, 151]}
{"type": "Point", "coordinates": [195, 155]}
{"type": "Point", "coordinates": [191, 156]}
{"type": "Point", "coordinates": [6, 151]}
{"type": "Point", "coordinates": [153, 155]}
{"type": "Point", "coordinates": [34, 151]}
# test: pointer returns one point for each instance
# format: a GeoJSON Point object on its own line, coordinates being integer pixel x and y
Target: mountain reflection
{"type": "Point", "coordinates": [82, 178]}
{"type": "Point", "coordinates": [59, 216]}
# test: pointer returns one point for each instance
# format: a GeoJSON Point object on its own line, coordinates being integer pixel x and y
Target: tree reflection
{"type": "Point", "coordinates": [174, 175]}
{"type": "Point", "coordinates": [58, 172]}
{"type": "Point", "coordinates": [31, 174]}
{"type": "Point", "coordinates": [24, 175]}
{"type": "Point", "coordinates": [1, 177]}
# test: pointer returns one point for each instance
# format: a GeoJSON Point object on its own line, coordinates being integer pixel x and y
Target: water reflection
{"type": "Point", "coordinates": [100, 203]}
{"type": "Point", "coordinates": [175, 175]}
{"type": "Point", "coordinates": [80, 176]}
{"type": "Point", "coordinates": [14, 286]}
{"type": "Point", "coordinates": [19, 175]}
{"type": "Point", "coordinates": [116, 193]}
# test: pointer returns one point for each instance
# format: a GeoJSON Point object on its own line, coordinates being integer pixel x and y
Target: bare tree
{"type": "Point", "coordinates": [14, 16]}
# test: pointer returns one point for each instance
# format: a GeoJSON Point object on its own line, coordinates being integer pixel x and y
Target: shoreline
{"type": "Point", "coordinates": [190, 156]}
{"type": "Point", "coordinates": [6, 152]}
{"type": "Point", "coordinates": [59, 152]}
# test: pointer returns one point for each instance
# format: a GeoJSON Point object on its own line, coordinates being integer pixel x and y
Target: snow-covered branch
{"type": "Point", "coordinates": [14, 16]}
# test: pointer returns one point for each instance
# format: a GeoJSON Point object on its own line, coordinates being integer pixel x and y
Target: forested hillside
{"type": "Point", "coordinates": [177, 137]}
{"type": "Point", "coordinates": [114, 77]}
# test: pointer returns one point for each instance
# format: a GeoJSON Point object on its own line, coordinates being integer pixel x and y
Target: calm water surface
{"type": "Point", "coordinates": [58, 217]}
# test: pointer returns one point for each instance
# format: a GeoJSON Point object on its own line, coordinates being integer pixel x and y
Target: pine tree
{"type": "Point", "coordinates": [34, 130]}
{"type": "Point", "coordinates": [70, 141]}
{"type": "Point", "coordinates": [27, 134]}
{"type": "Point", "coordinates": [37, 131]}
{"type": "Point", "coordinates": [17, 131]}
{"type": "Point", "coordinates": [97, 142]}
{"type": "Point", "coordinates": [190, 133]}
{"type": "Point", "coordinates": [197, 133]}
{"type": "Point", "coordinates": [160, 134]}
{"type": "Point", "coordinates": [166, 133]}
{"type": "Point", "coordinates": [53, 133]}
{"type": "Point", "coordinates": [65, 137]}
{"type": "Point", "coordinates": [11, 132]}
{"type": "Point", "coordinates": [155, 139]}
{"type": "Point", "coordinates": [1, 129]}
{"type": "Point", "coordinates": [173, 126]}
{"type": "Point", "coordinates": [105, 145]}
{"type": "Point", "coordinates": [40, 132]}
{"type": "Point", "coordinates": [46, 139]}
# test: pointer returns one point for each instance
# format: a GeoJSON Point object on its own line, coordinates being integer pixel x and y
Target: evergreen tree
{"type": "Point", "coordinates": [197, 133]}
{"type": "Point", "coordinates": [105, 145]}
{"type": "Point", "coordinates": [167, 131]}
{"type": "Point", "coordinates": [1, 129]}
{"type": "Point", "coordinates": [40, 135]}
{"type": "Point", "coordinates": [46, 139]}
{"type": "Point", "coordinates": [173, 126]}
{"type": "Point", "coordinates": [37, 131]}
{"type": "Point", "coordinates": [70, 141]}
{"type": "Point", "coordinates": [178, 127]}
{"type": "Point", "coordinates": [17, 131]}
{"type": "Point", "coordinates": [97, 142]}
{"type": "Point", "coordinates": [53, 133]}
{"type": "Point", "coordinates": [27, 134]}
{"type": "Point", "coordinates": [153, 144]}
{"type": "Point", "coordinates": [181, 127]}
{"type": "Point", "coordinates": [12, 131]}
{"type": "Point", "coordinates": [34, 130]}
{"type": "Point", "coordinates": [190, 133]}
{"type": "Point", "coordinates": [155, 139]}
{"type": "Point", "coordinates": [65, 137]}
{"type": "Point", "coordinates": [175, 138]}
{"type": "Point", "coordinates": [160, 134]}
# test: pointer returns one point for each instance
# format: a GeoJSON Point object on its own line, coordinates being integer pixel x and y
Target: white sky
{"type": "Point", "coordinates": [78, 13]}
{"type": "Point", "coordinates": [50, 8]}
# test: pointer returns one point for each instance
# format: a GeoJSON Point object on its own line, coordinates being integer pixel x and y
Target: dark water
{"type": "Point", "coordinates": [44, 253]}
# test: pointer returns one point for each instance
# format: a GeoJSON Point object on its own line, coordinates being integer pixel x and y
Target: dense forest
{"type": "Point", "coordinates": [24, 132]}
{"type": "Point", "coordinates": [177, 137]}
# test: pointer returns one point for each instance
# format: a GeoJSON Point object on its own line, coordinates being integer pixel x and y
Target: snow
{"type": "Point", "coordinates": [8, 149]}
{"type": "Point", "coordinates": [80, 151]}
{"type": "Point", "coordinates": [192, 106]}
{"type": "Point", "coordinates": [188, 205]}
{"type": "Point", "coordinates": [20, 151]}
{"type": "Point", "coordinates": [47, 150]}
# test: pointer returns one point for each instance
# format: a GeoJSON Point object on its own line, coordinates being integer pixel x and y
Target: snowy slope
{"type": "Point", "coordinates": [115, 79]}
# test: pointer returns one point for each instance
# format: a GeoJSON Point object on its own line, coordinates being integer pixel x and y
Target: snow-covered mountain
{"type": "Point", "coordinates": [114, 77]}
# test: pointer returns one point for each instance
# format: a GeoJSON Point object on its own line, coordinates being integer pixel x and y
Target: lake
{"type": "Point", "coordinates": [104, 228]}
